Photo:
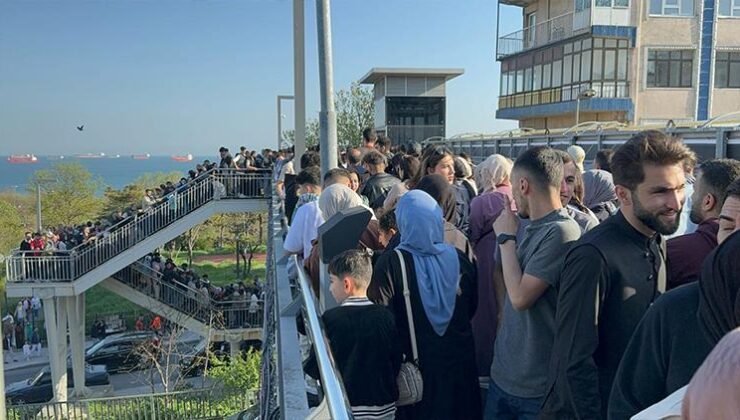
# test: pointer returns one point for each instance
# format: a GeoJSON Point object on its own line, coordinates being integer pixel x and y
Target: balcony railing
{"type": "Point", "coordinates": [552, 30]}
{"type": "Point", "coordinates": [62, 266]}
{"type": "Point", "coordinates": [612, 89]}
{"type": "Point", "coordinates": [220, 314]}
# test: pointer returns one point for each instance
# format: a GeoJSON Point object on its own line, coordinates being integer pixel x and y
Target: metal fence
{"type": "Point", "coordinates": [551, 30]}
{"type": "Point", "coordinates": [61, 266]}
{"type": "Point", "coordinates": [220, 314]}
{"type": "Point", "coordinates": [198, 404]}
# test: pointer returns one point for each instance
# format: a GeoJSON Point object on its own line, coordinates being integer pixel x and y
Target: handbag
{"type": "Point", "coordinates": [409, 380]}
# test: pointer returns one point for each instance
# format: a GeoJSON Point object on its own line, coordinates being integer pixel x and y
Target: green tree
{"type": "Point", "coordinates": [241, 373]}
{"type": "Point", "coordinates": [67, 194]}
{"type": "Point", "coordinates": [11, 227]}
{"type": "Point", "coordinates": [355, 112]}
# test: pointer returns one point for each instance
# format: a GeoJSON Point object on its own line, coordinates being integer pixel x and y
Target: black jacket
{"type": "Point", "coordinates": [609, 280]}
{"type": "Point", "coordinates": [377, 187]}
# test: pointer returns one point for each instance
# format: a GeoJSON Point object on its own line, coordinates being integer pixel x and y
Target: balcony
{"type": "Point", "coordinates": [556, 29]}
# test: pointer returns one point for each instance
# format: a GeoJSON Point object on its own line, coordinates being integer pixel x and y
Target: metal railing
{"type": "Point", "coordinates": [268, 401]}
{"type": "Point", "coordinates": [406, 133]}
{"type": "Point", "coordinates": [62, 266]}
{"type": "Point", "coordinates": [607, 89]}
{"type": "Point", "coordinates": [220, 314]}
{"type": "Point", "coordinates": [200, 404]}
{"type": "Point", "coordinates": [552, 30]}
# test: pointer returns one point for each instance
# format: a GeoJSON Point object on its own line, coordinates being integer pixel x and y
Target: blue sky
{"type": "Point", "coordinates": [168, 77]}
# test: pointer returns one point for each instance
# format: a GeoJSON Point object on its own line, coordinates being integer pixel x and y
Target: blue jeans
{"type": "Point", "coordinates": [503, 406]}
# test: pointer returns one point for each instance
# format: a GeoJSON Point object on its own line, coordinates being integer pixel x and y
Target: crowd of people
{"type": "Point", "coordinates": [564, 292]}
{"type": "Point", "coordinates": [55, 240]}
{"type": "Point", "coordinates": [20, 328]}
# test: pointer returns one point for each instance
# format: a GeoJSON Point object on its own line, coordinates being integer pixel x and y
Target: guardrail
{"type": "Point", "coordinates": [220, 314]}
{"type": "Point", "coordinates": [549, 31]}
{"type": "Point", "coordinates": [62, 266]}
{"type": "Point", "coordinates": [200, 404]}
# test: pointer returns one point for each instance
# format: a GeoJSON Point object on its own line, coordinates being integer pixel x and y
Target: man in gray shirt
{"type": "Point", "coordinates": [531, 271]}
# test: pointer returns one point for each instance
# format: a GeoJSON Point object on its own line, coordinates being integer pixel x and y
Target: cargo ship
{"type": "Point", "coordinates": [90, 156]}
{"type": "Point", "coordinates": [22, 159]}
{"type": "Point", "coordinates": [145, 156]}
{"type": "Point", "coordinates": [184, 158]}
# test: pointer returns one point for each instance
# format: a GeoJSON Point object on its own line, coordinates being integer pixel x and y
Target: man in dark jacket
{"type": "Point", "coordinates": [377, 186]}
{"type": "Point", "coordinates": [613, 274]}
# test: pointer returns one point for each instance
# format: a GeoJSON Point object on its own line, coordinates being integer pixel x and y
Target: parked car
{"type": "Point", "coordinates": [123, 352]}
{"type": "Point", "coordinates": [194, 362]}
{"type": "Point", "coordinates": [38, 389]}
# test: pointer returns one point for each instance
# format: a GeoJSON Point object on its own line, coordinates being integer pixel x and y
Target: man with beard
{"type": "Point", "coordinates": [685, 253]}
{"type": "Point", "coordinates": [613, 274]}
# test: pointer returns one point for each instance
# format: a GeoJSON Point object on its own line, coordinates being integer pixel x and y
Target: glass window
{"type": "Point", "coordinates": [504, 81]}
{"type": "Point", "coordinates": [519, 81]}
{"type": "Point", "coordinates": [612, 3]}
{"type": "Point", "coordinates": [729, 8]}
{"type": "Point", "coordinates": [537, 78]}
{"type": "Point", "coordinates": [610, 43]}
{"type": "Point", "coordinates": [622, 64]}
{"type": "Point", "coordinates": [567, 69]}
{"type": "Point", "coordinates": [576, 67]}
{"type": "Point", "coordinates": [567, 48]}
{"type": "Point", "coordinates": [670, 68]}
{"type": "Point", "coordinates": [727, 70]}
{"type": "Point", "coordinates": [557, 73]}
{"type": "Point", "coordinates": [610, 64]}
{"type": "Point", "coordinates": [528, 79]}
{"type": "Point", "coordinates": [598, 42]}
{"type": "Point", "coordinates": [598, 65]}
{"type": "Point", "coordinates": [672, 7]}
{"type": "Point", "coordinates": [546, 70]}
{"type": "Point", "coordinates": [586, 66]}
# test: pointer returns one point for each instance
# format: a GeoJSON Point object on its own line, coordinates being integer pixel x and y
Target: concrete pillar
{"type": "Point", "coordinates": [234, 347]}
{"type": "Point", "coordinates": [55, 315]}
{"type": "Point", "coordinates": [76, 313]}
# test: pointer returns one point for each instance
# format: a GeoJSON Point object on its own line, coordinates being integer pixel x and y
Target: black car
{"type": "Point", "coordinates": [193, 363]}
{"type": "Point", "coordinates": [38, 388]}
{"type": "Point", "coordinates": [124, 352]}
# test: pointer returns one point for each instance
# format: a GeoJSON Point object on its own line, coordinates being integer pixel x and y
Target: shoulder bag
{"type": "Point", "coordinates": [409, 380]}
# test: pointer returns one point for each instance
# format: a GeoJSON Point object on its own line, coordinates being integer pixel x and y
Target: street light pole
{"type": "Point", "coordinates": [586, 94]}
{"type": "Point", "coordinates": [578, 109]}
{"type": "Point", "coordinates": [327, 115]}
{"type": "Point", "coordinates": [38, 206]}
{"type": "Point", "coordinates": [280, 119]}
{"type": "Point", "coordinates": [299, 82]}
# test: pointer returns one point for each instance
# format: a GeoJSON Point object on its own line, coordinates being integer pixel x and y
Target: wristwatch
{"type": "Point", "coordinates": [503, 238]}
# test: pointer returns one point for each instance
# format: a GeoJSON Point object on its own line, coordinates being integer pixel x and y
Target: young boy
{"type": "Point", "coordinates": [363, 339]}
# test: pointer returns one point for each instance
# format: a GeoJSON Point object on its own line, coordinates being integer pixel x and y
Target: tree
{"type": "Point", "coordinates": [312, 133]}
{"type": "Point", "coordinates": [11, 227]}
{"type": "Point", "coordinates": [68, 194]}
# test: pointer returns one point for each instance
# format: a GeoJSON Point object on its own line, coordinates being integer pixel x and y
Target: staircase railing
{"type": "Point", "coordinates": [62, 266]}
{"type": "Point", "coordinates": [220, 314]}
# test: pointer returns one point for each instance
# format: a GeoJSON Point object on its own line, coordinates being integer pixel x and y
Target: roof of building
{"type": "Point", "coordinates": [377, 72]}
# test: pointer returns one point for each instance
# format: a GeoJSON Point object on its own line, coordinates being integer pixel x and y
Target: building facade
{"type": "Point", "coordinates": [410, 103]}
{"type": "Point", "coordinates": [637, 62]}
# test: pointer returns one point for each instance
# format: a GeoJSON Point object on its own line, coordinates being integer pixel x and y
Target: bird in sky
{"type": "Point", "coordinates": [82, 127]}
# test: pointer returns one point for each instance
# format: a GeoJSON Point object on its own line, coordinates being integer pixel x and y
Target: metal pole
{"type": "Point", "coordinates": [38, 207]}
{"type": "Point", "coordinates": [578, 109]}
{"type": "Point", "coordinates": [2, 372]}
{"type": "Point", "coordinates": [327, 115]}
{"type": "Point", "coordinates": [279, 124]}
{"type": "Point", "coordinates": [299, 81]}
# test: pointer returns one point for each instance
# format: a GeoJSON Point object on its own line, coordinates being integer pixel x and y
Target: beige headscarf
{"type": "Point", "coordinates": [578, 155]}
{"type": "Point", "coordinates": [713, 391]}
{"type": "Point", "coordinates": [336, 198]}
{"type": "Point", "coordinates": [491, 172]}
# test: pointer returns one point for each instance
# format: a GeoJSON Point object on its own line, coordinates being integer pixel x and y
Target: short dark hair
{"type": "Point", "coordinates": [334, 174]}
{"type": "Point", "coordinates": [354, 156]}
{"type": "Point", "coordinates": [734, 189]}
{"type": "Point", "coordinates": [309, 176]}
{"type": "Point", "coordinates": [387, 220]}
{"type": "Point", "coordinates": [383, 141]}
{"type": "Point", "coordinates": [355, 263]}
{"type": "Point", "coordinates": [717, 175]}
{"type": "Point", "coordinates": [650, 146]}
{"type": "Point", "coordinates": [604, 159]}
{"type": "Point", "coordinates": [309, 159]}
{"type": "Point", "coordinates": [222, 149]}
{"type": "Point", "coordinates": [543, 165]}
{"type": "Point", "coordinates": [374, 158]}
{"type": "Point", "coordinates": [369, 135]}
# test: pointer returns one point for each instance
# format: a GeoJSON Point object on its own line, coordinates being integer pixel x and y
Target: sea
{"type": "Point", "coordinates": [115, 172]}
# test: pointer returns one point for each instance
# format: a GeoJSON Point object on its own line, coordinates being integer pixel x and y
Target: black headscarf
{"type": "Point", "coordinates": [441, 190]}
{"type": "Point", "coordinates": [719, 289]}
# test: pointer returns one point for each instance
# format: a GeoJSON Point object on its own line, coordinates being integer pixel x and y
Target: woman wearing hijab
{"type": "Point", "coordinates": [443, 297]}
{"type": "Point", "coordinates": [677, 333]}
{"type": "Point", "coordinates": [333, 199]}
{"type": "Point", "coordinates": [493, 179]}
{"type": "Point", "coordinates": [444, 194]}
{"type": "Point", "coordinates": [599, 195]}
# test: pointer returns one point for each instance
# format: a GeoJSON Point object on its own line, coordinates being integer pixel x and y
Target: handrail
{"type": "Point", "coordinates": [331, 381]}
{"type": "Point", "coordinates": [71, 264]}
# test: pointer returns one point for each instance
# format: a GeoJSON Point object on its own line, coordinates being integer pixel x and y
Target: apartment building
{"type": "Point", "coordinates": [637, 62]}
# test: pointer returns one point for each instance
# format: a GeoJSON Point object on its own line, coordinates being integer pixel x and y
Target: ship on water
{"type": "Point", "coordinates": [90, 156]}
{"type": "Point", "coordinates": [183, 158]}
{"type": "Point", "coordinates": [27, 158]}
{"type": "Point", "coordinates": [55, 157]}
{"type": "Point", "coordinates": [144, 156]}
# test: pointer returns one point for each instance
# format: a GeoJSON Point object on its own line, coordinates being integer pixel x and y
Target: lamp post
{"type": "Point", "coordinates": [299, 81]}
{"type": "Point", "coordinates": [280, 119]}
{"type": "Point", "coordinates": [586, 94]}
{"type": "Point", "coordinates": [327, 115]}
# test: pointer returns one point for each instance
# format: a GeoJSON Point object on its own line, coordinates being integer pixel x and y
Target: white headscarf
{"type": "Point", "coordinates": [336, 198]}
{"type": "Point", "coordinates": [492, 171]}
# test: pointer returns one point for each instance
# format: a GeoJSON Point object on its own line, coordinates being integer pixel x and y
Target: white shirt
{"type": "Point", "coordinates": [305, 228]}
